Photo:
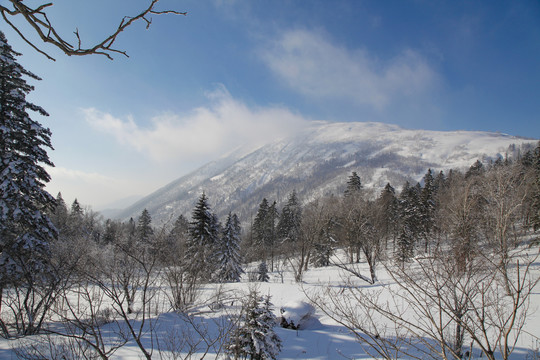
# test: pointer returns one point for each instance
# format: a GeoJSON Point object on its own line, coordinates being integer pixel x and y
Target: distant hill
{"type": "Point", "coordinates": [318, 161]}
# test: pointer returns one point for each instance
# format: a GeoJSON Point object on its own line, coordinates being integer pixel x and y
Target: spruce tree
{"type": "Point", "coordinates": [290, 220]}
{"type": "Point", "coordinates": [255, 337]}
{"type": "Point", "coordinates": [535, 218]}
{"type": "Point", "coordinates": [388, 205]}
{"type": "Point", "coordinates": [410, 224]}
{"type": "Point", "coordinates": [230, 267]}
{"type": "Point", "coordinates": [354, 185]}
{"type": "Point", "coordinates": [201, 249]}
{"type": "Point", "coordinates": [60, 215]}
{"type": "Point", "coordinates": [264, 229]}
{"type": "Point", "coordinates": [144, 229]}
{"type": "Point", "coordinates": [262, 272]}
{"type": "Point", "coordinates": [323, 249]}
{"type": "Point", "coordinates": [259, 224]}
{"type": "Point", "coordinates": [25, 228]}
{"type": "Point", "coordinates": [427, 207]}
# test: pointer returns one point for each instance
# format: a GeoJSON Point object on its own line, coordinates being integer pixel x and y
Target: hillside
{"type": "Point", "coordinates": [318, 161]}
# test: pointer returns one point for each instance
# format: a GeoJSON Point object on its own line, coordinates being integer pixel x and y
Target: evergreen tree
{"type": "Point", "coordinates": [290, 220]}
{"type": "Point", "coordinates": [60, 215]}
{"type": "Point", "coordinates": [259, 224]}
{"type": "Point", "coordinates": [323, 249]}
{"type": "Point", "coordinates": [264, 229]}
{"type": "Point", "coordinates": [201, 249]}
{"type": "Point", "coordinates": [354, 185]}
{"type": "Point", "coordinates": [144, 229]}
{"type": "Point", "coordinates": [262, 272]}
{"type": "Point", "coordinates": [427, 207]}
{"type": "Point", "coordinates": [476, 169]}
{"type": "Point", "coordinates": [388, 205]}
{"type": "Point", "coordinates": [410, 224]}
{"type": "Point", "coordinates": [111, 232]}
{"type": "Point", "coordinates": [25, 228]}
{"type": "Point", "coordinates": [179, 233]}
{"type": "Point", "coordinates": [255, 337]}
{"type": "Point", "coordinates": [230, 268]}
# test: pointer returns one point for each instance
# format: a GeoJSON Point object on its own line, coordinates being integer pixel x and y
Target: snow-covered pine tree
{"type": "Point", "coordinates": [201, 250]}
{"type": "Point", "coordinates": [262, 272]}
{"type": "Point", "coordinates": [323, 248]}
{"type": "Point", "coordinates": [388, 205]}
{"type": "Point", "coordinates": [255, 338]}
{"type": "Point", "coordinates": [427, 207]}
{"type": "Point", "coordinates": [25, 228]}
{"type": "Point", "coordinates": [288, 228]}
{"type": "Point", "coordinates": [259, 224]}
{"type": "Point", "coordinates": [59, 215]}
{"type": "Point", "coordinates": [230, 261]}
{"type": "Point", "coordinates": [144, 229]}
{"type": "Point", "coordinates": [409, 226]}
{"type": "Point", "coordinates": [264, 229]}
{"type": "Point", "coordinates": [536, 190]}
{"type": "Point", "coordinates": [354, 185]}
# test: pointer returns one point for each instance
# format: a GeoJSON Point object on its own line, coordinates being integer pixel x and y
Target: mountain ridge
{"type": "Point", "coordinates": [317, 161]}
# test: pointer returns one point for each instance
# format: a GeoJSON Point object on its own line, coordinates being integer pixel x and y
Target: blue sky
{"type": "Point", "coordinates": [235, 72]}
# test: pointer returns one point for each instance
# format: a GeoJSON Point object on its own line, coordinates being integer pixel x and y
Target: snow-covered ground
{"type": "Point", "coordinates": [320, 337]}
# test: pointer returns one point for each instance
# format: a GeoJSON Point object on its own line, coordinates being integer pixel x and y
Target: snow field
{"type": "Point", "coordinates": [320, 337]}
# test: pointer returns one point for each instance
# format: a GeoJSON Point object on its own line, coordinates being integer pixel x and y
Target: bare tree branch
{"type": "Point", "coordinates": [38, 20]}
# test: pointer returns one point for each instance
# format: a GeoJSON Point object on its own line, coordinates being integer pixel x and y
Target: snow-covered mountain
{"type": "Point", "coordinates": [318, 161]}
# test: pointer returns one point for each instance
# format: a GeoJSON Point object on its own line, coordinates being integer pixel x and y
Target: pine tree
{"type": "Point", "coordinates": [323, 248]}
{"type": "Point", "coordinates": [264, 228]}
{"type": "Point", "coordinates": [111, 232]}
{"type": "Point", "coordinates": [201, 249]}
{"type": "Point", "coordinates": [262, 272]}
{"type": "Point", "coordinates": [230, 268]}
{"type": "Point", "coordinates": [427, 207]}
{"type": "Point", "coordinates": [255, 337]}
{"type": "Point", "coordinates": [25, 228]}
{"type": "Point", "coordinates": [410, 224]}
{"type": "Point", "coordinates": [144, 229]}
{"type": "Point", "coordinates": [388, 205]}
{"type": "Point", "coordinates": [290, 220]}
{"type": "Point", "coordinates": [259, 224]}
{"type": "Point", "coordinates": [59, 216]}
{"type": "Point", "coordinates": [354, 185]}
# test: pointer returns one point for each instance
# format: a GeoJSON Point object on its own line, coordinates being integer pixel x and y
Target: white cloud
{"type": "Point", "coordinates": [313, 65]}
{"type": "Point", "coordinates": [206, 132]}
{"type": "Point", "coordinates": [90, 187]}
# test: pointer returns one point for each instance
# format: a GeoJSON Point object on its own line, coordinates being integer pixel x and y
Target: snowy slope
{"type": "Point", "coordinates": [318, 161]}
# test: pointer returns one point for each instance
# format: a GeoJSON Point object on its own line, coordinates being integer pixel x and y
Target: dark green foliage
{"type": "Point", "coordinates": [144, 229]}
{"type": "Point", "coordinates": [289, 222]}
{"type": "Point", "coordinates": [410, 226]}
{"type": "Point", "coordinates": [201, 248]}
{"type": "Point", "coordinates": [354, 185]}
{"type": "Point", "coordinates": [323, 248]}
{"type": "Point", "coordinates": [262, 272]}
{"type": "Point", "coordinates": [264, 229]}
{"type": "Point", "coordinates": [388, 205]}
{"type": "Point", "coordinates": [230, 261]}
{"type": "Point", "coordinates": [25, 228]}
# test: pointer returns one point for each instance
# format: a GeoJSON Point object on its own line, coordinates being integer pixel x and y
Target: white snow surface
{"type": "Point", "coordinates": [320, 338]}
